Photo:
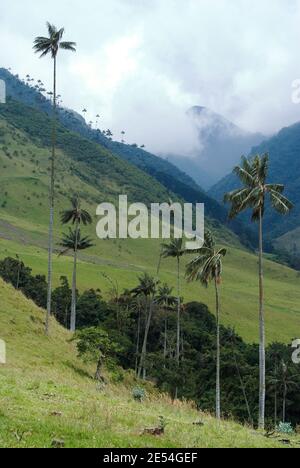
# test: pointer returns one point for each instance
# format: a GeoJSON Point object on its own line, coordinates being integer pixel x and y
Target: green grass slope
{"type": "Point", "coordinates": [125, 261]}
{"type": "Point", "coordinates": [47, 394]}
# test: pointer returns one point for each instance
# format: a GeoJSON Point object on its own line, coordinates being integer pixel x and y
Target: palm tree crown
{"type": "Point", "coordinates": [73, 241]}
{"type": "Point", "coordinates": [175, 249]}
{"type": "Point", "coordinates": [76, 214]}
{"type": "Point", "coordinates": [207, 266]}
{"type": "Point", "coordinates": [253, 174]}
{"type": "Point", "coordinates": [147, 286]}
{"type": "Point", "coordinates": [165, 297]}
{"type": "Point", "coordinates": [52, 43]}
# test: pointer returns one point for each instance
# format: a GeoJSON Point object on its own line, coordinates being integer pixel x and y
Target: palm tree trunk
{"type": "Point", "coordinates": [73, 304]}
{"type": "Point", "coordinates": [138, 342]}
{"type": "Point", "coordinates": [275, 400]}
{"type": "Point", "coordinates": [284, 403]}
{"type": "Point", "coordinates": [178, 322]}
{"type": "Point", "coordinates": [262, 344]}
{"type": "Point", "coordinates": [98, 374]}
{"type": "Point", "coordinates": [51, 218]}
{"type": "Point", "coordinates": [244, 391]}
{"type": "Point", "coordinates": [165, 341]}
{"type": "Point", "coordinates": [144, 348]}
{"type": "Point", "coordinates": [275, 409]}
{"type": "Point", "coordinates": [218, 390]}
{"type": "Point", "coordinates": [18, 275]}
{"type": "Point", "coordinates": [178, 313]}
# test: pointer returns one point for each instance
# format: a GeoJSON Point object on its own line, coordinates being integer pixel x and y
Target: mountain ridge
{"type": "Point", "coordinates": [220, 145]}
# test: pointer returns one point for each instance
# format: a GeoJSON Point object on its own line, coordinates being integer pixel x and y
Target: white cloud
{"type": "Point", "coordinates": [141, 64]}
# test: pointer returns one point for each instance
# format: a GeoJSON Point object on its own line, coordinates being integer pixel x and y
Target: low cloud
{"type": "Point", "coordinates": [141, 65]}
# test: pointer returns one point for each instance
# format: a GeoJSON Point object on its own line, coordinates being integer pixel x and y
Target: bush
{"type": "Point", "coordinates": [285, 428]}
{"type": "Point", "coordinates": [138, 394]}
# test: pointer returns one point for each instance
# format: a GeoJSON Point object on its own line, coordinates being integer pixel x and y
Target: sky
{"type": "Point", "coordinates": [141, 64]}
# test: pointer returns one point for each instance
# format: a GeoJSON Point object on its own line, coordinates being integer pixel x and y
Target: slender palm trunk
{"type": "Point", "coordinates": [165, 341]}
{"type": "Point", "coordinates": [284, 403]}
{"type": "Point", "coordinates": [137, 351]}
{"type": "Point", "coordinates": [51, 218]}
{"type": "Point", "coordinates": [275, 408]}
{"type": "Point", "coordinates": [218, 390]}
{"type": "Point", "coordinates": [18, 276]}
{"type": "Point", "coordinates": [145, 342]}
{"type": "Point", "coordinates": [178, 313]}
{"type": "Point", "coordinates": [244, 391]}
{"type": "Point", "coordinates": [262, 344]}
{"type": "Point", "coordinates": [98, 374]}
{"type": "Point", "coordinates": [275, 399]}
{"type": "Point", "coordinates": [73, 304]}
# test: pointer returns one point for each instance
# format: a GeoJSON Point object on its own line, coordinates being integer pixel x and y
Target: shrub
{"type": "Point", "coordinates": [285, 428]}
{"type": "Point", "coordinates": [138, 394]}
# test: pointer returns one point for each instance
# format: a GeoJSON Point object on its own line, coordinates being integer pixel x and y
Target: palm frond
{"type": "Point", "coordinates": [244, 173]}
{"type": "Point", "coordinates": [275, 187]}
{"type": "Point", "coordinates": [68, 46]}
{"type": "Point", "coordinates": [73, 240]}
{"type": "Point", "coordinates": [280, 203]}
{"type": "Point", "coordinates": [263, 168]}
{"type": "Point", "coordinates": [52, 30]}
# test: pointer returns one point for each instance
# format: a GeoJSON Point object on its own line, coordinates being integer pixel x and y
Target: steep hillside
{"type": "Point", "coordinates": [47, 394]}
{"type": "Point", "coordinates": [161, 170]}
{"type": "Point", "coordinates": [284, 151]}
{"type": "Point", "coordinates": [83, 167]}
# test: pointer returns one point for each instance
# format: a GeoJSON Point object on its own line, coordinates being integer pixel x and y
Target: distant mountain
{"type": "Point", "coordinates": [284, 150]}
{"type": "Point", "coordinates": [221, 144]}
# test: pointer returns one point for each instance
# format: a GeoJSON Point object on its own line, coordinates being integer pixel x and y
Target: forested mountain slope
{"type": "Point", "coordinates": [284, 151]}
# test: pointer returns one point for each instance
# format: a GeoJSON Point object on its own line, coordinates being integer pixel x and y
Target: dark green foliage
{"type": "Point", "coordinates": [61, 302]}
{"type": "Point", "coordinates": [13, 271]}
{"type": "Point", "coordinates": [91, 309]}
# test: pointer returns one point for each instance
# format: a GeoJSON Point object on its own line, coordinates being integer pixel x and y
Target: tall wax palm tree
{"type": "Point", "coordinates": [76, 215]}
{"type": "Point", "coordinates": [175, 249]}
{"type": "Point", "coordinates": [75, 243]}
{"type": "Point", "coordinates": [50, 46]}
{"type": "Point", "coordinates": [253, 174]}
{"type": "Point", "coordinates": [166, 301]}
{"type": "Point", "coordinates": [147, 287]}
{"type": "Point", "coordinates": [207, 267]}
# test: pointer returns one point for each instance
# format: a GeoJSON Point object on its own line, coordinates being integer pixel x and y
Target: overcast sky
{"type": "Point", "coordinates": [141, 64]}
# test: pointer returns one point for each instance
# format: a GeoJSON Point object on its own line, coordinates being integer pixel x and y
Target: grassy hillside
{"type": "Point", "coordinates": [47, 394]}
{"type": "Point", "coordinates": [98, 175]}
